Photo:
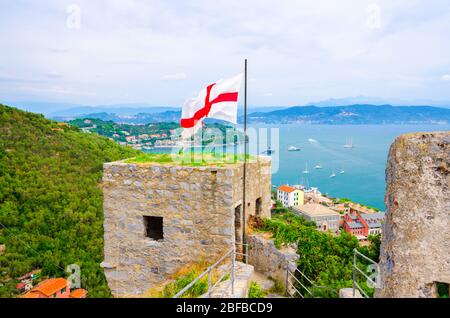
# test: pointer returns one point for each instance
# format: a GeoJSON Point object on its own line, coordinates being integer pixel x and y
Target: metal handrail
{"type": "Point", "coordinates": [313, 285]}
{"type": "Point", "coordinates": [356, 269]}
{"type": "Point", "coordinates": [229, 270]}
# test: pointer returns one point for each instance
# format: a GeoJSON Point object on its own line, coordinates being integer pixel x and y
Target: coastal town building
{"type": "Point", "coordinates": [78, 293]}
{"type": "Point", "coordinates": [55, 288]}
{"type": "Point", "coordinates": [26, 282]}
{"type": "Point", "coordinates": [313, 195]}
{"type": "Point", "coordinates": [355, 207]}
{"type": "Point", "coordinates": [375, 222]}
{"type": "Point", "coordinates": [290, 196]}
{"type": "Point", "coordinates": [341, 208]}
{"type": "Point", "coordinates": [325, 218]}
{"type": "Point", "coordinates": [362, 225]}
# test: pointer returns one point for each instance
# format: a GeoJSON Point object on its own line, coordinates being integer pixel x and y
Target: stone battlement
{"type": "Point", "coordinates": [415, 250]}
{"type": "Point", "coordinates": [160, 218]}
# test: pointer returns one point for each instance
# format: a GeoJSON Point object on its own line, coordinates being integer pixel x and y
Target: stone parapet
{"type": "Point", "coordinates": [196, 207]}
{"type": "Point", "coordinates": [415, 249]}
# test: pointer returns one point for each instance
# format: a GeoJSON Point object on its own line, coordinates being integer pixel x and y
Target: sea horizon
{"type": "Point", "coordinates": [363, 166]}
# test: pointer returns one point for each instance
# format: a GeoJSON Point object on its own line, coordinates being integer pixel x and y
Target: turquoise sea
{"type": "Point", "coordinates": [364, 165]}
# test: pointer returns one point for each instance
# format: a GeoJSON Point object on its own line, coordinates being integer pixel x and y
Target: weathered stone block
{"type": "Point", "coordinates": [415, 250]}
{"type": "Point", "coordinates": [198, 214]}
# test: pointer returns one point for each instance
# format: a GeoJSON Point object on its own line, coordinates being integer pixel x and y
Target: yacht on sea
{"type": "Point", "coordinates": [318, 166]}
{"type": "Point", "coordinates": [306, 171]}
{"type": "Point", "coordinates": [269, 151]}
{"type": "Point", "coordinates": [333, 175]}
{"type": "Point", "coordinates": [349, 144]}
{"type": "Point", "coordinates": [342, 171]}
{"type": "Point", "coordinates": [293, 148]}
{"type": "Point", "coordinates": [312, 140]}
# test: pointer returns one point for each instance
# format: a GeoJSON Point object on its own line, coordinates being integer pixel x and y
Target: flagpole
{"type": "Point", "coordinates": [244, 222]}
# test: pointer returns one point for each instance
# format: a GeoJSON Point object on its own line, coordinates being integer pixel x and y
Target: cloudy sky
{"type": "Point", "coordinates": [161, 52]}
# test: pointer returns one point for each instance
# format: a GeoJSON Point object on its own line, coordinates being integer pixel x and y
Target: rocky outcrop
{"type": "Point", "coordinates": [415, 250]}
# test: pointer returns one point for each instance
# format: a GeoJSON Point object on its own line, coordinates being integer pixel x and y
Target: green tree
{"type": "Point", "coordinates": [51, 211]}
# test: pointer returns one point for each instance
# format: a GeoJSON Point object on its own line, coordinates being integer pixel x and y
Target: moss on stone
{"type": "Point", "coordinates": [190, 159]}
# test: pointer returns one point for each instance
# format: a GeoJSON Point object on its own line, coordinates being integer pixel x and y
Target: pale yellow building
{"type": "Point", "coordinates": [290, 196]}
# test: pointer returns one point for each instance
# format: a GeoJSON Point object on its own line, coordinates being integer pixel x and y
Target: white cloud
{"type": "Point", "coordinates": [54, 75]}
{"type": "Point", "coordinates": [174, 77]}
{"type": "Point", "coordinates": [299, 50]}
{"type": "Point", "coordinates": [446, 77]}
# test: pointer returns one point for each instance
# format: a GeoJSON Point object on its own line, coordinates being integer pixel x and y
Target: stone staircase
{"type": "Point", "coordinates": [243, 277]}
{"type": "Point", "coordinates": [266, 284]}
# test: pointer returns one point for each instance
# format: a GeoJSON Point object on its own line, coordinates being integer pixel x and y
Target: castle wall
{"type": "Point", "coordinates": [197, 205]}
{"type": "Point", "coordinates": [415, 249]}
{"type": "Point", "coordinates": [271, 261]}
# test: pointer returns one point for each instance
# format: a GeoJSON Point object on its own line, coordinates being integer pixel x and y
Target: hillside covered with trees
{"type": "Point", "coordinates": [51, 211]}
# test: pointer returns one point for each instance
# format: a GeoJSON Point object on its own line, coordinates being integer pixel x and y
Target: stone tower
{"type": "Point", "coordinates": [415, 251]}
{"type": "Point", "coordinates": [160, 218]}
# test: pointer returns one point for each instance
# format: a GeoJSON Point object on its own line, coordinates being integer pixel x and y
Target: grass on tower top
{"type": "Point", "coordinates": [197, 159]}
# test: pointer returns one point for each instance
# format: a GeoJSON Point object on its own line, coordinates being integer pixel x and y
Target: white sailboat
{"type": "Point", "coordinates": [293, 148]}
{"type": "Point", "coordinates": [312, 140]}
{"type": "Point", "coordinates": [306, 171]}
{"type": "Point", "coordinates": [349, 143]}
{"type": "Point", "coordinates": [318, 166]}
{"type": "Point", "coordinates": [269, 151]}
{"type": "Point", "coordinates": [333, 175]}
{"type": "Point", "coordinates": [342, 171]}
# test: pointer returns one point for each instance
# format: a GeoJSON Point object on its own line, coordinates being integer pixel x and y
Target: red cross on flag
{"type": "Point", "coordinates": [218, 100]}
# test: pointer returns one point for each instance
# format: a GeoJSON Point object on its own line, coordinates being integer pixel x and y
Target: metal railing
{"type": "Point", "coordinates": [231, 270]}
{"type": "Point", "coordinates": [292, 290]}
{"type": "Point", "coordinates": [356, 269]}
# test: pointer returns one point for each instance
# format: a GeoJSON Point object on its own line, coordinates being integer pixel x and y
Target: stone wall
{"type": "Point", "coordinates": [198, 209]}
{"type": "Point", "coordinates": [269, 260]}
{"type": "Point", "coordinates": [415, 250]}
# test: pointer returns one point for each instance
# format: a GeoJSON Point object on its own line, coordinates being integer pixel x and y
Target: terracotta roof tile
{"type": "Point", "coordinates": [30, 294]}
{"type": "Point", "coordinates": [286, 188]}
{"type": "Point", "coordinates": [78, 293]}
{"type": "Point", "coordinates": [52, 285]}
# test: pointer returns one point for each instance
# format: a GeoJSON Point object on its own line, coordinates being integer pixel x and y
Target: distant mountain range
{"type": "Point", "coordinates": [72, 111]}
{"type": "Point", "coordinates": [354, 115]}
{"type": "Point", "coordinates": [327, 112]}
{"type": "Point", "coordinates": [139, 118]}
{"type": "Point", "coordinates": [132, 115]}
{"type": "Point", "coordinates": [116, 109]}
{"type": "Point", "coordinates": [339, 115]}
{"type": "Point", "coordinates": [367, 100]}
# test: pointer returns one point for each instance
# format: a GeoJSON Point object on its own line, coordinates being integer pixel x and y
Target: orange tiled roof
{"type": "Point", "coordinates": [286, 188]}
{"type": "Point", "coordinates": [50, 286]}
{"type": "Point", "coordinates": [30, 294]}
{"type": "Point", "coordinates": [78, 293]}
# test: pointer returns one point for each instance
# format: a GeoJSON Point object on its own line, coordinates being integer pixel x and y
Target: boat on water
{"type": "Point", "coordinates": [349, 144]}
{"type": "Point", "coordinates": [318, 166]}
{"type": "Point", "coordinates": [342, 171]}
{"type": "Point", "coordinates": [293, 148]}
{"type": "Point", "coordinates": [269, 151]}
{"type": "Point", "coordinates": [312, 140]}
{"type": "Point", "coordinates": [306, 171]}
{"type": "Point", "coordinates": [333, 175]}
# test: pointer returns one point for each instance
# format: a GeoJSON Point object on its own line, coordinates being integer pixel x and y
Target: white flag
{"type": "Point", "coordinates": [218, 100]}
